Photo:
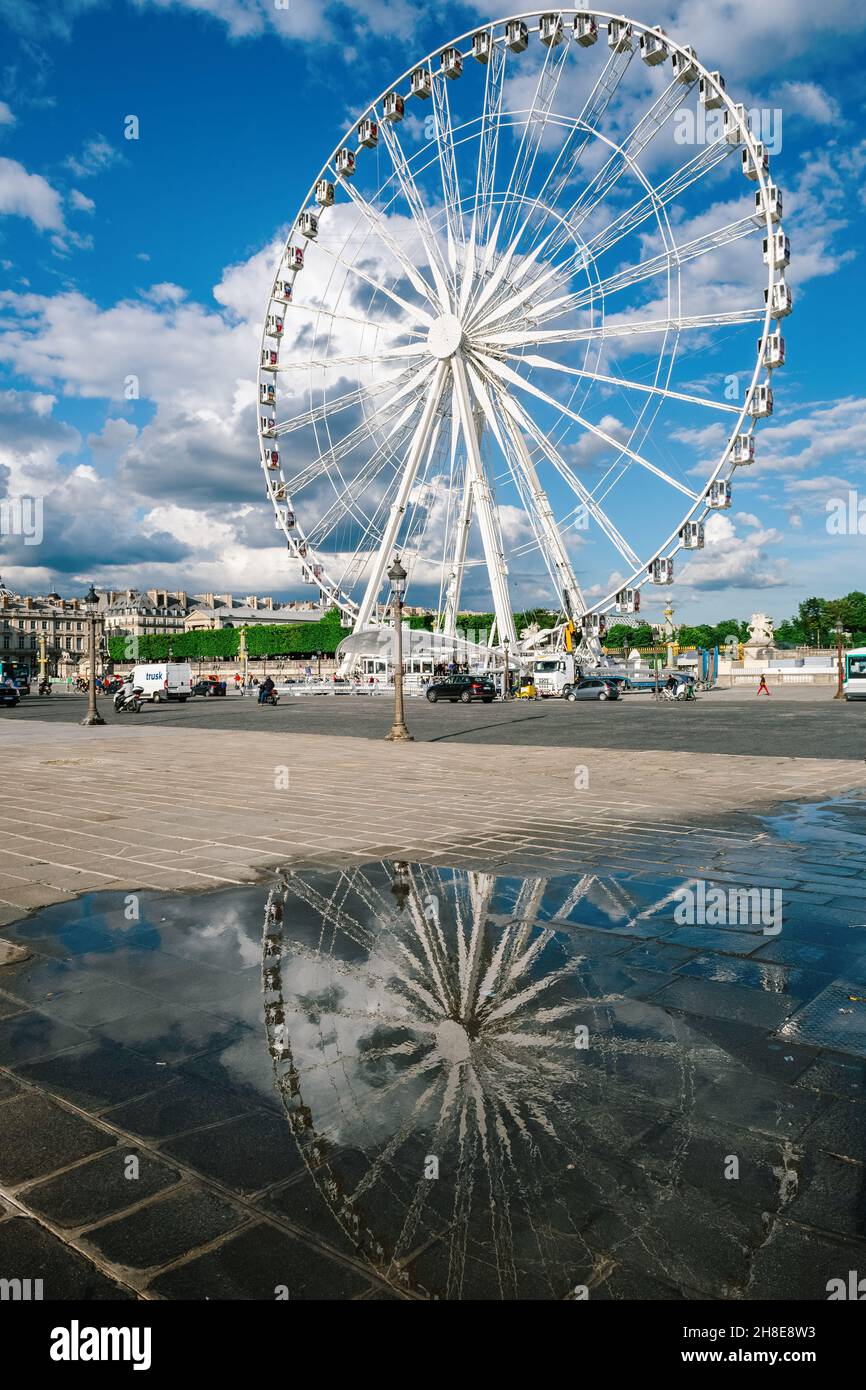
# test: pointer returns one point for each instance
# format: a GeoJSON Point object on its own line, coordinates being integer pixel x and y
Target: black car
{"type": "Point", "coordinates": [204, 687]}
{"type": "Point", "coordinates": [463, 688]}
{"type": "Point", "coordinates": [9, 695]}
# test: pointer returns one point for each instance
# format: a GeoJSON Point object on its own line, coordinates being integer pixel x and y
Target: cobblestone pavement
{"type": "Point", "coordinates": [145, 1037]}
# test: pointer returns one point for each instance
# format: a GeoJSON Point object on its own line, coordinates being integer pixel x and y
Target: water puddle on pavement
{"type": "Point", "coordinates": [504, 1087]}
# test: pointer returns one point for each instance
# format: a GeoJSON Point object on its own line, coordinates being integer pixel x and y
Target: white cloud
{"type": "Point", "coordinates": [29, 195]}
{"type": "Point", "coordinates": [97, 155]}
{"type": "Point", "coordinates": [6, 116]}
{"type": "Point", "coordinates": [809, 99]}
{"type": "Point", "coordinates": [81, 202]}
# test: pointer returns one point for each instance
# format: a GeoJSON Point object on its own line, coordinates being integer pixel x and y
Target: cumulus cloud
{"type": "Point", "coordinates": [6, 116]}
{"type": "Point", "coordinates": [29, 195]}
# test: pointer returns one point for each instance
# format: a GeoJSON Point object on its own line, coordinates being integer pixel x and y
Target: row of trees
{"type": "Point", "coordinates": [812, 626]}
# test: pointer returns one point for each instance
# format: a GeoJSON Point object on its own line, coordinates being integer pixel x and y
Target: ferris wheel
{"type": "Point", "coordinates": [523, 327]}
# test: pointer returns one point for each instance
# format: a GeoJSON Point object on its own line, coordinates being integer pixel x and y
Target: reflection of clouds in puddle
{"type": "Point", "coordinates": [414, 1023]}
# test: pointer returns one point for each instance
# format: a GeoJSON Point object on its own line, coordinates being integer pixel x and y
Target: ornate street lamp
{"type": "Point", "coordinates": [397, 578]}
{"type": "Point", "coordinates": [840, 635]}
{"type": "Point", "coordinates": [91, 603]}
{"type": "Point", "coordinates": [506, 683]}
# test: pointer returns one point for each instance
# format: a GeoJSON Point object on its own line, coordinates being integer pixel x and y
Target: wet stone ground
{"type": "Point", "coordinates": [411, 1081]}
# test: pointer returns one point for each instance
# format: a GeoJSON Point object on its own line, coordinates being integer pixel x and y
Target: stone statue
{"type": "Point", "coordinates": [761, 636]}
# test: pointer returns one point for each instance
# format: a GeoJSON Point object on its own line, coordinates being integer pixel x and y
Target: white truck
{"type": "Point", "coordinates": [553, 674]}
{"type": "Point", "coordinates": [164, 681]}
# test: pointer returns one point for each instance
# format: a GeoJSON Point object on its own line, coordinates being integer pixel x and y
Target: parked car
{"type": "Point", "coordinates": [463, 688]}
{"type": "Point", "coordinates": [209, 687]}
{"type": "Point", "coordinates": [593, 689]}
{"type": "Point", "coordinates": [9, 695]}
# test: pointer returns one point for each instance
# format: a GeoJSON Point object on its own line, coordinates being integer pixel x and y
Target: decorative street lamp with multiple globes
{"type": "Point", "coordinates": [397, 577]}
{"type": "Point", "coordinates": [91, 603]}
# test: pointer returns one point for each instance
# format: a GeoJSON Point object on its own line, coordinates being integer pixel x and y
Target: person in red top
{"type": "Point", "coordinates": [763, 688]}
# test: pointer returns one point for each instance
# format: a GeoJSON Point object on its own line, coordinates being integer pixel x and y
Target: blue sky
{"type": "Point", "coordinates": [152, 257]}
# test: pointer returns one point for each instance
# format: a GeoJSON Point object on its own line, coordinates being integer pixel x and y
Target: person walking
{"type": "Point", "coordinates": [763, 688]}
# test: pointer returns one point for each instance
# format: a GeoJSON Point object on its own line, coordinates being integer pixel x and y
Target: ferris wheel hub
{"type": "Point", "coordinates": [445, 336]}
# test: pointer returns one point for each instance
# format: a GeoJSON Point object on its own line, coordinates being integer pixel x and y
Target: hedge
{"type": "Point", "coordinates": [295, 639]}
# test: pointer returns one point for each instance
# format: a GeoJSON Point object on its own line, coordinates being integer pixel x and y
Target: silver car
{"type": "Point", "coordinates": [593, 689]}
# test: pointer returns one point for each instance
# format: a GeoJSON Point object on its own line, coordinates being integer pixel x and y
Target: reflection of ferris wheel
{"type": "Point", "coordinates": [436, 1014]}
{"type": "Point", "coordinates": [504, 327]}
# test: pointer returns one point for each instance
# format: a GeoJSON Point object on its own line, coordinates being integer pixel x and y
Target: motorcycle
{"type": "Point", "coordinates": [129, 703]}
{"type": "Point", "coordinates": [272, 698]}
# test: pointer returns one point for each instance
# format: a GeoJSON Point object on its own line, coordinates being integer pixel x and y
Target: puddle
{"type": "Point", "coordinates": [500, 1087]}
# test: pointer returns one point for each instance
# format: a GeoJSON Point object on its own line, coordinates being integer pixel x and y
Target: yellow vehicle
{"type": "Point", "coordinates": [526, 690]}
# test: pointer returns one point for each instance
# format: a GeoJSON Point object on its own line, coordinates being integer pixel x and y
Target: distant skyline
{"type": "Point", "coordinates": [134, 275]}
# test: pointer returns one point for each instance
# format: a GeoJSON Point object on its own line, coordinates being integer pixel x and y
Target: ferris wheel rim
{"type": "Point", "coordinates": [700, 507]}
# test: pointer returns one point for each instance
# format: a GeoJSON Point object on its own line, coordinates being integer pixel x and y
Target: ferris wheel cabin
{"type": "Point", "coordinates": [451, 62]}
{"type": "Point", "coordinates": [585, 29]}
{"type": "Point", "coordinates": [710, 91]}
{"type": "Point", "coordinates": [346, 163]}
{"type": "Point", "coordinates": [692, 535]}
{"type": "Point", "coordinates": [685, 65]}
{"type": "Point", "coordinates": [777, 250]}
{"type": "Point", "coordinates": [736, 122]}
{"type": "Point", "coordinates": [755, 159]}
{"type": "Point", "coordinates": [780, 300]}
{"type": "Point", "coordinates": [482, 44]}
{"type": "Point", "coordinates": [774, 350]}
{"type": "Point", "coordinates": [393, 107]}
{"type": "Point", "coordinates": [653, 48]}
{"type": "Point", "coordinates": [719, 495]}
{"type": "Point", "coordinates": [628, 601]}
{"type": "Point", "coordinates": [368, 133]}
{"type": "Point", "coordinates": [761, 402]}
{"type": "Point", "coordinates": [421, 83]}
{"type": "Point", "coordinates": [516, 35]}
{"type": "Point", "coordinates": [324, 193]}
{"type": "Point", "coordinates": [661, 571]}
{"type": "Point", "coordinates": [770, 201]}
{"type": "Point", "coordinates": [550, 29]}
{"type": "Point", "coordinates": [743, 452]}
{"type": "Point", "coordinates": [267, 393]}
{"type": "Point", "coordinates": [309, 225]}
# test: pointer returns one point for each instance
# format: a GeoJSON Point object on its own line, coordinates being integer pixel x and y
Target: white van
{"type": "Point", "coordinates": [164, 681]}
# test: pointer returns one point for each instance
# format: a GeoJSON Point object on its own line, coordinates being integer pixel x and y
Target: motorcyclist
{"type": "Point", "coordinates": [265, 689]}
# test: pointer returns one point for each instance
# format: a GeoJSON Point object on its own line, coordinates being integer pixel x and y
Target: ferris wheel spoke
{"type": "Point", "coordinates": [664, 193]}
{"type": "Point", "coordinates": [624, 157]}
{"type": "Point", "coordinates": [571, 151]}
{"type": "Point", "coordinates": [376, 221]}
{"type": "Point", "coordinates": [356, 437]}
{"type": "Point", "coordinates": [672, 257]}
{"type": "Point", "coordinates": [398, 508]}
{"type": "Point", "coordinates": [403, 381]}
{"type": "Point", "coordinates": [414, 311]}
{"type": "Point", "coordinates": [483, 503]}
{"type": "Point", "coordinates": [550, 364]}
{"type": "Point", "coordinates": [359, 359]}
{"type": "Point", "coordinates": [514, 379]}
{"type": "Point", "coordinates": [590, 505]}
{"type": "Point", "coordinates": [555, 59]}
{"type": "Point", "coordinates": [629, 328]}
{"type": "Point", "coordinates": [415, 202]}
{"type": "Point", "coordinates": [491, 121]}
{"type": "Point", "coordinates": [450, 179]}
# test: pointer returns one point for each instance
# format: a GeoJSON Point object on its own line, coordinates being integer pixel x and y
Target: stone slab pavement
{"type": "Point", "coordinates": [143, 807]}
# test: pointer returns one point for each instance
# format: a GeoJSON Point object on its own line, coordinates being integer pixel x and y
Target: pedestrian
{"type": "Point", "coordinates": [763, 688]}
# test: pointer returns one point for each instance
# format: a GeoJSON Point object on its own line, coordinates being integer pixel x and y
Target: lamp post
{"type": "Point", "coordinates": [840, 634]}
{"type": "Point", "coordinates": [92, 716]}
{"type": "Point", "coordinates": [397, 577]}
{"type": "Point", "coordinates": [505, 679]}
{"type": "Point", "coordinates": [43, 662]}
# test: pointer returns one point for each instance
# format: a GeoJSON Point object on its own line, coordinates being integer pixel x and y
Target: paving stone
{"type": "Point", "coordinates": [183, 1105]}
{"type": "Point", "coordinates": [8, 1087]}
{"type": "Point", "coordinates": [29, 1035]}
{"type": "Point", "coordinates": [165, 1229]}
{"type": "Point", "coordinates": [725, 939]}
{"type": "Point", "coordinates": [840, 1128]}
{"type": "Point", "coordinates": [38, 1137]}
{"type": "Point", "coordinates": [798, 1264]}
{"type": "Point", "coordinates": [838, 1074]}
{"type": "Point", "coordinates": [246, 1154]}
{"type": "Point", "coordinates": [100, 1188]}
{"type": "Point", "coordinates": [97, 1074]}
{"type": "Point", "coordinates": [171, 1033]}
{"type": "Point", "coordinates": [28, 1251]}
{"type": "Point", "coordinates": [706, 998]}
{"type": "Point", "coordinates": [253, 1264]}
{"type": "Point", "coordinates": [831, 1195]}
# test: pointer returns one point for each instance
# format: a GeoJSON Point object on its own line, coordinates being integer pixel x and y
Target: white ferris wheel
{"type": "Point", "coordinates": [523, 327]}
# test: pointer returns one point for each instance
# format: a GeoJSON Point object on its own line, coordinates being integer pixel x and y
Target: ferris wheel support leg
{"type": "Point", "coordinates": [493, 554]}
{"type": "Point", "coordinates": [398, 507]}
{"type": "Point", "coordinates": [455, 578]}
{"type": "Point", "coordinates": [570, 592]}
